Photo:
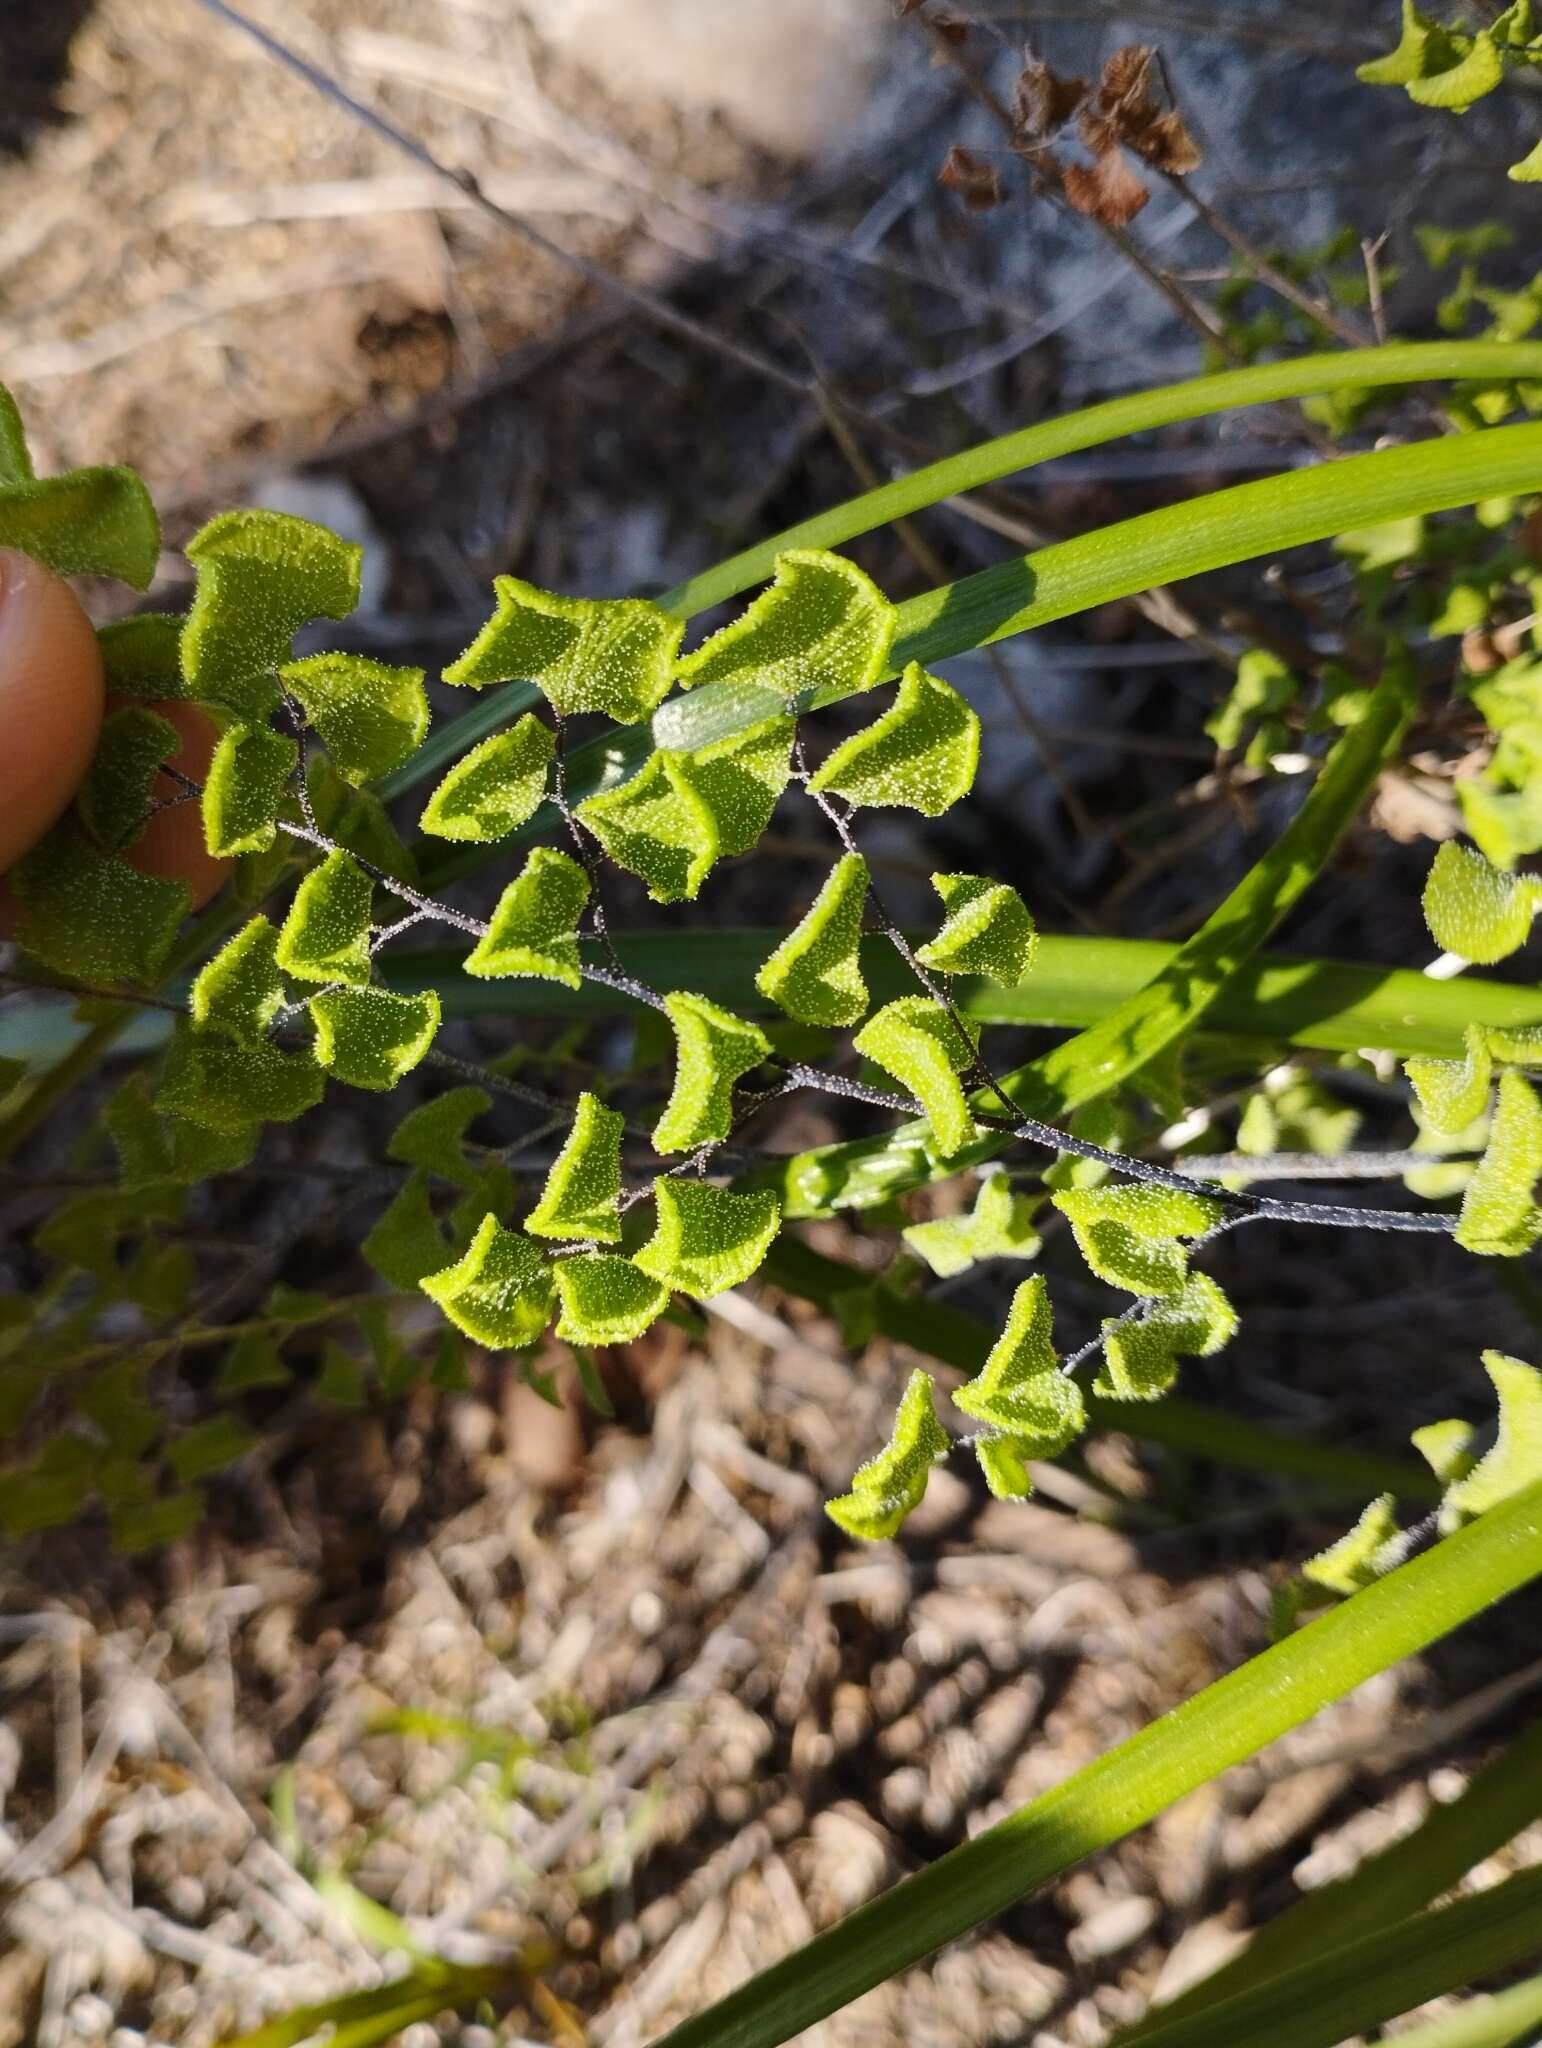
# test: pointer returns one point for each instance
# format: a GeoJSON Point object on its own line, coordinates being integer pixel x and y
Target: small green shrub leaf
{"type": "Point", "coordinates": [815, 974]}
{"type": "Point", "coordinates": [115, 799]}
{"type": "Point", "coordinates": [1499, 1218]}
{"type": "Point", "coordinates": [986, 930]}
{"type": "Point", "coordinates": [244, 789]}
{"type": "Point", "coordinates": [155, 1150]}
{"type": "Point", "coordinates": [611, 655]}
{"type": "Point", "coordinates": [230, 1087]}
{"type": "Point", "coordinates": [1422, 47]}
{"type": "Point", "coordinates": [999, 1226]}
{"type": "Point", "coordinates": [821, 624]}
{"type": "Point", "coordinates": [922, 753]}
{"type": "Point", "coordinates": [89, 915]}
{"type": "Point", "coordinates": [1476, 910]}
{"type": "Point", "coordinates": [326, 935]}
{"type": "Point", "coordinates": [1515, 1460]}
{"type": "Point", "coordinates": [606, 1300]}
{"type": "Point", "coordinates": [1528, 170]}
{"type": "Point", "coordinates": [252, 1361]}
{"type": "Point", "coordinates": [431, 1136]}
{"type": "Point", "coordinates": [658, 827]}
{"type": "Point", "coordinates": [1263, 688]}
{"type": "Point", "coordinates": [1459, 86]}
{"type": "Point", "coordinates": [1130, 1234]}
{"type": "Point", "coordinates": [370, 716]}
{"type": "Point", "coordinates": [405, 1245]}
{"type": "Point", "coordinates": [1020, 1390]}
{"type": "Point", "coordinates": [370, 1038]}
{"type": "Point", "coordinates": [739, 779]}
{"type": "Point", "coordinates": [499, 1293]}
{"type": "Point", "coordinates": [1446, 1447]}
{"type": "Point", "coordinates": [88, 522]}
{"type": "Point", "coordinates": [713, 1048]}
{"type": "Point", "coordinates": [1003, 1462]}
{"type": "Point", "coordinates": [581, 1198]}
{"type": "Point", "coordinates": [1453, 1092]}
{"type": "Point", "coordinates": [891, 1485]}
{"type": "Point", "coordinates": [209, 1446]}
{"type": "Point", "coordinates": [916, 1041]}
{"type": "Point", "coordinates": [707, 1239]}
{"type": "Point", "coordinates": [534, 929]}
{"type": "Point", "coordinates": [241, 991]}
{"type": "Point", "coordinates": [261, 577]}
{"type": "Point", "coordinates": [1141, 1357]}
{"type": "Point", "coordinates": [1362, 1555]}
{"type": "Point", "coordinates": [141, 656]}
{"type": "Point", "coordinates": [495, 787]}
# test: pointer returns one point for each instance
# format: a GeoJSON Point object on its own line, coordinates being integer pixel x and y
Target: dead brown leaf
{"type": "Point", "coordinates": [1042, 100]}
{"type": "Point", "coordinates": [977, 182]}
{"type": "Point", "coordinates": [1125, 113]}
{"type": "Point", "coordinates": [1107, 191]}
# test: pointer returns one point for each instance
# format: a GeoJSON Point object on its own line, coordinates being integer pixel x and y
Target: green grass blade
{"type": "Point", "coordinates": [1123, 1790]}
{"type": "Point", "coordinates": [1360, 1984]}
{"type": "Point", "coordinates": [1502, 2021]}
{"type": "Point", "coordinates": [361, 2019]}
{"type": "Point", "coordinates": [1139, 412]}
{"type": "Point", "coordinates": [1386, 1887]}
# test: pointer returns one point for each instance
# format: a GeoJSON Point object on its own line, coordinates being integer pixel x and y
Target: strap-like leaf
{"type": "Point", "coordinates": [707, 1239]}
{"type": "Point", "coordinates": [1452, 1092]}
{"type": "Point", "coordinates": [534, 928]}
{"type": "Point", "coordinates": [246, 784]}
{"type": "Point", "coordinates": [499, 1293]}
{"type": "Point", "coordinates": [229, 1087]}
{"type": "Point", "coordinates": [431, 1135]}
{"type": "Point", "coordinates": [261, 577]}
{"type": "Point", "coordinates": [1475, 909]}
{"type": "Point", "coordinates": [922, 753]}
{"type": "Point", "coordinates": [89, 915]}
{"type": "Point", "coordinates": [916, 1041]}
{"type": "Point", "coordinates": [88, 522]}
{"type": "Point", "coordinates": [241, 991]}
{"type": "Point", "coordinates": [821, 625]}
{"type": "Point", "coordinates": [1360, 1556]}
{"type": "Point", "coordinates": [657, 826]}
{"type": "Point", "coordinates": [141, 656]}
{"type": "Point", "coordinates": [496, 786]}
{"type": "Point", "coordinates": [1141, 1357]}
{"type": "Point", "coordinates": [115, 800]}
{"type": "Point", "coordinates": [1020, 1390]}
{"type": "Point", "coordinates": [1130, 1234]}
{"type": "Point", "coordinates": [406, 1245]}
{"type": "Point", "coordinates": [370, 1038]}
{"type": "Point", "coordinates": [1516, 1458]}
{"type": "Point", "coordinates": [999, 1226]}
{"type": "Point", "coordinates": [370, 716]}
{"type": "Point", "coordinates": [739, 780]}
{"type": "Point", "coordinates": [326, 935]}
{"type": "Point", "coordinates": [1499, 1217]}
{"type": "Point", "coordinates": [581, 1198]}
{"type": "Point", "coordinates": [986, 930]}
{"type": "Point", "coordinates": [713, 1048]}
{"type": "Point", "coordinates": [891, 1485]}
{"type": "Point", "coordinates": [15, 459]}
{"type": "Point", "coordinates": [815, 974]}
{"type": "Point", "coordinates": [611, 655]}
{"type": "Point", "coordinates": [605, 1300]}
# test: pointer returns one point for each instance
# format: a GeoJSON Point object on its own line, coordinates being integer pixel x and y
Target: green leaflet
{"type": "Point", "coordinates": [1003, 1462]}
{"type": "Point", "coordinates": [89, 915]}
{"type": "Point", "coordinates": [1422, 47]}
{"type": "Point", "coordinates": [431, 1135]}
{"type": "Point", "coordinates": [1499, 1219]}
{"type": "Point", "coordinates": [229, 1087]}
{"type": "Point", "coordinates": [141, 656]}
{"type": "Point", "coordinates": [890, 1485]}
{"type": "Point", "coordinates": [496, 786]}
{"type": "Point", "coordinates": [739, 780]}
{"type": "Point", "coordinates": [1295, 1114]}
{"type": "Point", "coordinates": [1130, 1234]}
{"type": "Point", "coordinates": [405, 1245]}
{"type": "Point", "coordinates": [534, 928]}
{"type": "Point", "coordinates": [986, 930]}
{"type": "Point", "coordinates": [1141, 1357]}
{"type": "Point", "coordinates": [1453, 1092]}
{"type": "Point", "coordinates": [261, 577]}
{"type": "Point", "coordinates": [1515, 1460]}
{"type": "Point", "coordinates": [1458, 86]}
{"type": "Point", "coordinates": [814, 974]}
{"type": "Point", "coordinates": [1506, 824]}
{"type": "Point", "coordinates": [657, 827]}
{"type": "Point", "coordinates": [707, 1239]}
{"type": "Point", "coordinates": [247, 781]}
{"type": "Point", "coordinates": [822, 624]}
{"type": "Point", "coordinates": [326, 935]}
{"type": "Point", "coordinates": [581, 1198]}
{"type": "Point", "coordinates": [1264, 687]}
{"type": "Point", "coordinates": [1372, 1547]}
{"type": "Point", "coordinates": [1529, 169]}
{"type": "Point", "coordinates": [254, 1360]}
{"type": "Point", "coordinates": [1475, 909]}
{"type": "Point", "coordinates": [916, 1041]}
{"type": "Point", "coordinates": [1446, 1448]}
{"type": "Point", "coordinates": [370, 716]}
{"type": "Point", "coordinates": [605, 1300]}
{"type": "Point", "coordinates": [611, 655]}
{"type": "Point", "coordinates": [713, 1048]}
{"type": "Point", "coordinates": [153, 1149]}
{"type": "Point", "coordinates": [88, 522]}
{"type": "Point", "coordinates": [369, 1038]}
{"type": "Point", "coordinates": [240, 992]}
{"type": "Point", "coordinates": [1020, 1390]}
{"type": "Point", "coordinates": [999, 1226]}
{"type": "Point", "coordinates": [499, 1293]}
{"type": "Point", "coordinates": [114, 800]}
{"type": "Point", "coordinates": [922, 753]}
